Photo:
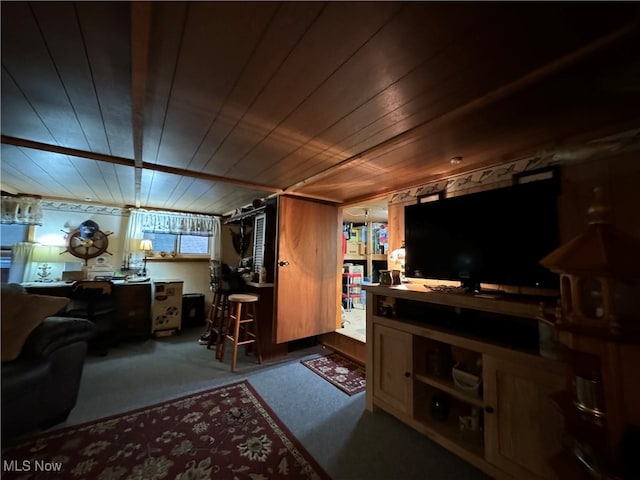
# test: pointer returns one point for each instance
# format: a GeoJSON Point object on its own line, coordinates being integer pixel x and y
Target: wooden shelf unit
{"type": "Point", "coordinates": [351, 289]}
{"type": "Point", "coordinates": [369, 256]}
{"type": "Point", "coordinates": [450, 388]}
{"type": "Point", "coordinates": [520, 427]}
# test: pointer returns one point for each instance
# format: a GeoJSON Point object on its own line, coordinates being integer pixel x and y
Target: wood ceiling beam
{"type": "Point", "coordinates": [100, 157]}
{"type": "Point", "coordinates": [492, 97]}
{"type": "Point", "coordinates": [140, 30]}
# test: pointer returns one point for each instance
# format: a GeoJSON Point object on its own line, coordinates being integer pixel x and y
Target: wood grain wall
{"type": "Point", "coordinates": [618, 175]}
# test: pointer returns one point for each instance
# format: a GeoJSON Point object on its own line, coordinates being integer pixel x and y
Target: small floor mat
{"type": "Point", "coordinates": [345, 374]}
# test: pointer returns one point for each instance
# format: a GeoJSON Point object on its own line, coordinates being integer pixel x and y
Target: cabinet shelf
{"type": "Point", "coordinates": [350, 297]}
{"type": "Point", "coordinates": [351, 288]}
{"type": "Point", "coordinates": [379, 257]}
{"type": "Point", "coordinates": [449, 431]}
{"type": "Point", "coordinates": [515, 305]}
{"type": "Point", "coordinates": [449, 387]}
{"type": "Point", "coordinates": [365, 250]}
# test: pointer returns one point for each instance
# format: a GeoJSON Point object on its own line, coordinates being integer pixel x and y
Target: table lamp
{"type": "Point", "coordinates": [398, 256]}
{"type": "Point", "coordinates": [146, 246]}
{"type": "Point", "coordinates": [44, 255]}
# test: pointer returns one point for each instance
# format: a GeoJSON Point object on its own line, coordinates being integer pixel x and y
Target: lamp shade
{"type": "Point", "coordinates": [398, 255]}
{"type": "Point", "coordinates": [146, 245]}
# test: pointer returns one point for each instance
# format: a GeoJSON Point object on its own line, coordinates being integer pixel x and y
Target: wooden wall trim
{"type": "Point", "coordinates": [84, 208]}
{"type": "Point", "coordinates": [501, 175]}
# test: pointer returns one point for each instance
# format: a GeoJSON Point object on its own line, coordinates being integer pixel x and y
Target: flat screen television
{"type": "Point", "coordinates": [495, 236]}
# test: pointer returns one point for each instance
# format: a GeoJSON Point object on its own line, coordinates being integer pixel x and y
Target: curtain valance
{"type": "Point", "coordinates": [141, 221]}
{"type": "Point", "coordinates": [21, 210]}
{"type": "Point", "coordinates": [176, 223]}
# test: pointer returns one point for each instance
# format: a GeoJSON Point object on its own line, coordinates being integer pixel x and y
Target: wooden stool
{"type": "Point", "coordinates": [216, 320]}
{"type": "Point", "coordinates": [241, 330]}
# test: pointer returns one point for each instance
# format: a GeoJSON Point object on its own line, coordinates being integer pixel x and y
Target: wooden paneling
{"type": "Point", "coordinates": [348, 346]}
{"type": "Point", "coordinates": [110, 69]}
{"type": "Point", "coordinates": [619, 175]}
{"type": "Point", "coordinates": [337, 100]}
{"type": "Point", "coordinates": [307, 253]}
{"type": "Point", "coordinates": [395, 226]}
{"type": "Point", "coordinates": [423, 155]}
{"type": "Point", "coordinates": [55, 114]}
{"type": "Point", "coordinates": [393, 368]}
{"type": "Point", "coordinates": [521, 402]}
{"type": "Point", "coordinates": [227, 32]}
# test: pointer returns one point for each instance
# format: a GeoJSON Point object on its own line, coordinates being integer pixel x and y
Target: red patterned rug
{"type": "Point", "coordinates": [348, 376]}
{"type": "Point", "coordinates": [226, 433]}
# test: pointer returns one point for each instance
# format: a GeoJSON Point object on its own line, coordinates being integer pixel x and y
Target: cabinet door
{"type": "Point", "coordinates": [392, 367]}
{"type": "Point", "coordinates": [307, 288]}
{"type": "Point", "coordinates": [523, 430]}
{"type": "Point", "coordinates": [133, 310]}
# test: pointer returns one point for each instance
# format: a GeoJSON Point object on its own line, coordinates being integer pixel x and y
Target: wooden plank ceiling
{"type": "Point", "coordinates": [205, 106]}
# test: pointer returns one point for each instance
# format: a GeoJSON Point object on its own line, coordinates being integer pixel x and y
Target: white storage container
{"type": "Point", "coordinates": [166, 307]}
{"type": "Point", "coordinates": [466, 382]}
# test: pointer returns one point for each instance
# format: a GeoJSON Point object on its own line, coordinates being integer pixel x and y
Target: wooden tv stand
{"type": "Point", "coordinates": [520, 430]}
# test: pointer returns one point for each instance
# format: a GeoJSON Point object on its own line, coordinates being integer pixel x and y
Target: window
{"type": "Point", "coordinates": [10, 234]}
{"type": "Point", "coordinates": [193, 245]}
{"type": "Point", "coordinates": [13, 233]}
{"type": "Point", "coordinates": [5, 264]}
{"type": "Point", "coordinates": [182, 244]}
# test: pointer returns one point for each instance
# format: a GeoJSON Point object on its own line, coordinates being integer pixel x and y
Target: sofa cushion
{"type": "Point", "coordinates": [21, 314]}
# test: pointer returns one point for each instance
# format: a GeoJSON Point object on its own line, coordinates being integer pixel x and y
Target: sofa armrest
{"type": "Point", "coordinates": [56, 332]}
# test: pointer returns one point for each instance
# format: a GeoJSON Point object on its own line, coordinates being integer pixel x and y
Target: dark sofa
{"type": "Point", "coordinates": [40, 385]}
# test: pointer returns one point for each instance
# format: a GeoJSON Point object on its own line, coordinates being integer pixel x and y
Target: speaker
{"type": "Point", "coordinates": [193, 310]}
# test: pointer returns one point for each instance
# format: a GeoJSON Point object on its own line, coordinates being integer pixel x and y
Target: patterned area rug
{"type": "Point", "coordinates": [226, 433]}
{"type": "Point", "coordinates": [348, 376]}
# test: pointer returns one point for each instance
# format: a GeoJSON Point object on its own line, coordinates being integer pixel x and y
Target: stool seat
{"type": "Point", "coordinates": [243, 298]}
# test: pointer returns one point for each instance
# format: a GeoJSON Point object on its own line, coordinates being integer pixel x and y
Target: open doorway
{"type": "Point", "coordinates": [365, 249]}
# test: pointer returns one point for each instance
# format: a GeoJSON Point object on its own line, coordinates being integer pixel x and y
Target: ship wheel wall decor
{"type": "Point", "coordinates": [87, 244]}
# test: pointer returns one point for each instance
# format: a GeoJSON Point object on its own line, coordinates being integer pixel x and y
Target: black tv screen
{"type": "Point", "coordinates": [495, 236]}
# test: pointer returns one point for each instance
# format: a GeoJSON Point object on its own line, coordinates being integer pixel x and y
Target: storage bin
{"type": "Point", "coordinates": [193, 310]}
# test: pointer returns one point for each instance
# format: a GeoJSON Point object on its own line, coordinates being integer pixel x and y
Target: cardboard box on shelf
{"type": "Point", "coordinates": [352, 248]}
{"type": "Point", "coordinates": [349, 268]}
